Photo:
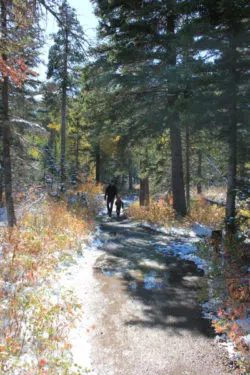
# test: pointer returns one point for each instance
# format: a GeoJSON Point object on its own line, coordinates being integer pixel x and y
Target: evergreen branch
{"type": "Point", "coordinates": [55, 15]}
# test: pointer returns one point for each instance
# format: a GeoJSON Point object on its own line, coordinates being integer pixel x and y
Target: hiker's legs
{"type": "Point", "coordinates": [118, 211]}
{"type": "Point", "coordinates": [110, 206]}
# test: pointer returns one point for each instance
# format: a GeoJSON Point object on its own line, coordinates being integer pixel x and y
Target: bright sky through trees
{"type": "Point", "coordinates": [86, 17]}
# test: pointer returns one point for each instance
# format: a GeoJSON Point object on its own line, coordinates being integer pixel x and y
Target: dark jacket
{"type": "Point", "coordinates": [111, 192]}
{"type": "Point", "coordinates": [119, 204]}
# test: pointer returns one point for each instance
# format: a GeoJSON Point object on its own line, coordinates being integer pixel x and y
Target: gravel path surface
{"type": "Point", "coordinates": [144, 308]}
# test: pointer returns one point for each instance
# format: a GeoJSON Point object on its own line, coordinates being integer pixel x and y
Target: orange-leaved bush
{"type": "Point", "coordinates": [33, 322]}
{"type": "Point", "coordinates": [205, 213]}
{"type": "Point", "coordinates": [156, 213]}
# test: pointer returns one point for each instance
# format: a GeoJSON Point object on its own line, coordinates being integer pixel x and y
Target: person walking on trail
{"type": "Point", "coordinates": [110, 194]}
{"type": "Point", "coordinates": [119, 204]}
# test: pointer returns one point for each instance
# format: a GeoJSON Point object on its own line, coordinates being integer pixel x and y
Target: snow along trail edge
{"type": "Point", "coordinates": [118, 334]}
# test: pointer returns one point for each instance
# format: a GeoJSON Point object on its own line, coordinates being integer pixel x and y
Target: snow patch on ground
{"type": "Point", "coordinates": [188, 251]}
{"type": "Point", "coordinates": [197, 230]}
{"type": "Point", "coordinates": [79, 279]}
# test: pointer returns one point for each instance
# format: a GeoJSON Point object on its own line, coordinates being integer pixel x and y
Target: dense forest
{"type": "Point", "coordinates": [161, 100]}
{"type": "Point", "coordinates": [159, 103]}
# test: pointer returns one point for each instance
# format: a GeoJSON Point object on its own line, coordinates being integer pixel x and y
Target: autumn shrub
{"type": "Point", "coordinates": [228, 283]}
{"type": "Point", "coordinates": [156, 213]}
{"type": "Point", "coordinates": [205, 213]}
{"type": "Point", "coordinates": [34, 327]}
{"type": "Point", "coordinates": [89, 199]}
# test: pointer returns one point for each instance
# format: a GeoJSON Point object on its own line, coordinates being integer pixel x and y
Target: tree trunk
{"type": "Point", "coordinates": [64, 103]}
{"type": "Point", "coordinates": [130, 180]}
{"type": "Point", "coordinates": [144, 192]}
{"type": "Point", "coordinates": [98, 166]}
{"type": "Point", "coordinates": [6, 131]}
{"type": "Point", "coordinates": [77, 149]}
{"type": "Point", "coordinates": [179, 202]}
{"type": "Point", "coordinates": [232, 145]}
{"type": "Point", "coordinates": [187, 167]}
{"type": "Point", "coordinates": [199, 175]}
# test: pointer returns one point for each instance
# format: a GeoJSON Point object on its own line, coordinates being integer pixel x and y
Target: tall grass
{"type": "Point", "coordinates": [156, 213]}
{"type": "Point", "coordinates": [161, 213]}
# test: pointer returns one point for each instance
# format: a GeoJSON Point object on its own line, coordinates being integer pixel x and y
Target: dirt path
{"type": "Point", "coordinates": [144, 309]}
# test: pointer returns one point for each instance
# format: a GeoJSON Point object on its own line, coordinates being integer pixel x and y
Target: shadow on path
{"type": "Point", "coordinates": [164, 285]}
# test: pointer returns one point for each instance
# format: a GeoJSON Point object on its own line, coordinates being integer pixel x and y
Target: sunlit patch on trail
{"type": "Point", "coordinates": [154, 280]}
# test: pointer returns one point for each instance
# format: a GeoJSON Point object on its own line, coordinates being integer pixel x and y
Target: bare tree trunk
{"type": "Point", "coordinates": [63, 133]}
{"type": "Point", "coordinates": [179, 202]}
{"type": "Point", "coordinates": [199, 175]}
{"type": "Point", "coordinates": [130, 180]}
{"type": "Point", "coordinates": [64, 103]}
{"type": "Point", "coordinates": [232, 145]}
{"type": "Point", "coordinates": [6, 131]}
{"type": "Point", "coordinates": [98, 166]}
{"type": "Point", "coordinates": [187, 167]}
{"type": "Point", "coordinates": [144, 192]}
{"type": "Point", "coordinates": [77, 148]}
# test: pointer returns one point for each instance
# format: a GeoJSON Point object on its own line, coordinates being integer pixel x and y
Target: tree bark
{"type": "Point", "coordinates": [232, 144]}
{"type": "Point", "coordinates": [179, 202]}
{"type": "Point", "coordinates": [187, 167]}
{"type": "Point", "coordinates": [98, 166]}
{"type": "Point", "coordinates": [144, 191]}
{"type": "Point", "coordinates": [64, 102]}
{"type": "Point", "coordinates": [199, 174]}
{"type": "Point", "coordinates": [77, 148]}
{"type": "Point", "coordinates": [130, 180]}
{"type": "Point", "coordinates": [7, 171]}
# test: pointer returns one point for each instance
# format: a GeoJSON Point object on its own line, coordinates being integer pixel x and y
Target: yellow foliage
{"type": "Point", "coordinates": [54, 126]}
{"type": "Point", "coordinates": [34, 153]}
{"type": "Point", "coordinates": [245, 213]}
{"type": "Point", "coordinates": [108, 145]}
{"type": "Point", "coordinates": [156, 212]}
{"type": "Point", "coordinates": [164, 140]}
{"type": "Point", "coordinates": [204, 213]}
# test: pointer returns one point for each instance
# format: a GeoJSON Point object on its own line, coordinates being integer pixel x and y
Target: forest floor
{"type": "Point", "coordinates": [141, 310]}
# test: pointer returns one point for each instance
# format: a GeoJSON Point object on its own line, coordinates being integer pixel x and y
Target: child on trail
{"type": "Point", "coordinates": [110, 194]}
{"type": "Point", "coordinates": [119, 204]}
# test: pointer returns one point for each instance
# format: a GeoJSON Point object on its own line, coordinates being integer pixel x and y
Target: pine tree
{"type": "Point", "coordinates": [65, 56]}
{"type": "Point", "coordinates": [223, 32]}
{"type": "Point", "coordinates": [142, 52]}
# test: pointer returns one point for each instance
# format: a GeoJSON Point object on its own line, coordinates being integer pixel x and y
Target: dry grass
{"type": "Point", "coordinates": [33, 323]}
{"type": "Point", "coordinates": [161, 213]}
{"type": "Point", "coordinates": [215, 192]}
{"type": "Point", "coordinates": [205, 213]}
{"type": "Point", "coordinates": [156, 213]}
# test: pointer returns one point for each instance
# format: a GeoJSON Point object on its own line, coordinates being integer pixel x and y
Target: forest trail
{"type": "Point", "coordinates": [144, 308]}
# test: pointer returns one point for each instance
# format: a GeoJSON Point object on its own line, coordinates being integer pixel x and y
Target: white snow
{"type": "Point", "coordinates": [187, 250]}
{"type": "Point", "coordinates": [79, 279]}
{"type": "Point", "coordinates": [28, 123]}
